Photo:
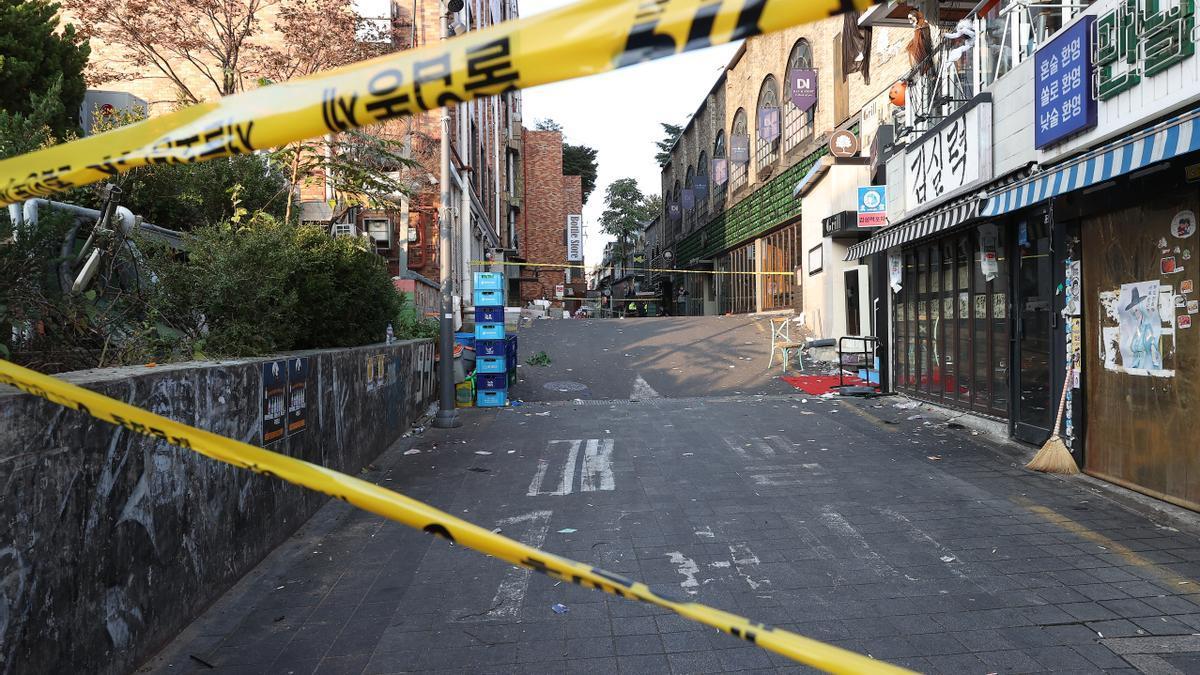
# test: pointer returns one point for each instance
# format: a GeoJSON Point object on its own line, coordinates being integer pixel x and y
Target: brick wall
{"type": "Point", "coordinates": [549, 197]}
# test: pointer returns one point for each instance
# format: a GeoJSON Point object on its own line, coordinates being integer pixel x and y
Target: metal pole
{"type": "Point", "coordinates": [447, 416]}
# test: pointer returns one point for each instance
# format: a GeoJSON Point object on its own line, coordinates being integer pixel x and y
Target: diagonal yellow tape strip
{"type": "Point", "coordinates": [421, 516]}
{"type": "Point", "coordinates": [589, 37]}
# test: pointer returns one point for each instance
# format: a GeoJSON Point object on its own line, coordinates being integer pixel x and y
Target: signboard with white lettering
{"type": "Point", "coordinates": [953, 155]}
{"type": "Point", "coordinates": [768, 124]}
{"type": "Point", "coordinates": [1063, 101]}
{"type": "Point", "coordinates": [1141, 53]}
{"type": "Point", "coordinates": [739, 148]}
{"type": "Point", "coordinates": [804, 88]}
{"type": "Point", "coordinates": [872, 206]}
{"type": "Point", "coordinates": [574, 237]}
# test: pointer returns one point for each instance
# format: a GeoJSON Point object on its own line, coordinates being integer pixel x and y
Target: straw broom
{"type": "Point", "coordinates": [1054, 457]}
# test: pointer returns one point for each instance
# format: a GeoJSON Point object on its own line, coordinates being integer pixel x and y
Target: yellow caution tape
{"type": "Point", "coordinates": [421, 516]}
{"type": "Point", "coordinates": [485, 263]}
{"type": "Point", "coordinates": [589, 37]}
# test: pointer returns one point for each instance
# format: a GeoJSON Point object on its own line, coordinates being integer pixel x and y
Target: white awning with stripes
{"type": "Point", "coordinates": [1174, 137]}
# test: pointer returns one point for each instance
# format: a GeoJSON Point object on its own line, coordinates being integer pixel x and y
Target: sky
{"type": "Point", "coordinates": [618, 114]}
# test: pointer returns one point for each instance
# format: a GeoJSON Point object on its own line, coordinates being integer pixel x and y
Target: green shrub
{"type": "Point", "coordinates": [268, 286]}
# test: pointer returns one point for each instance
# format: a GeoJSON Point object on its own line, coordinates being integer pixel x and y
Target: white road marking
{"type": "Point", "coordinates": [595, 469]}
{"type": "Point", "coordinates": [743, 557]}
{"type": "Point", "coordinates": [836, 522]}
{"type": "Point", "coordinates": [642, 390]}
{"type": "Point", "coordinates": [917, 534]}
{"type": "Point", "coordinates": [737, 448]}
{"type": "Point", "coordinates": [706, 532]}
{"type": "Point", "coordinates": [597, 473]}
{"type": "Point", "coordinates": [511, 592]}
{"type": "Point", "coordinates": [688, 568]}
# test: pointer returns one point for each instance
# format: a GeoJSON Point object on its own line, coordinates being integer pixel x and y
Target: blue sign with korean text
{"type": "Point", "coordinates": [1064, 104]}
{"type": "Point", "coordinates": [872, 206]}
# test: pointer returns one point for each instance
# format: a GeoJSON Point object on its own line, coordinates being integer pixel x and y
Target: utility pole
{"type": "Point", "coordinates": [447, 416]}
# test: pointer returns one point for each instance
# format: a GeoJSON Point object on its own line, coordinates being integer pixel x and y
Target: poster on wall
{"type": "Point", "coordinates": [1138, 329]}
{"type": "Point", "coordinates": [895, 271]}
{"type": "Point", "coordinates": [274, 400]}
{"type": "Point", "coordinates": [989, 264]}
{"type": "Point", "coordinates": [1072, 288]}
{"type": "Point", "coordinates": [297, 395]}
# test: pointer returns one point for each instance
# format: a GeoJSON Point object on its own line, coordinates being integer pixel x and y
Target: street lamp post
{"type": "Point", "coordinates": [447, 416]}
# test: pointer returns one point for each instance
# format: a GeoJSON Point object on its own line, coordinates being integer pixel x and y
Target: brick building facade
{"type": "Point", "coordinates": [549, 198]}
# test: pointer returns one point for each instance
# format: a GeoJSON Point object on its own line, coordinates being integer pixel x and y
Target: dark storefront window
{"type": "Point", "coordinates": [951, 326]}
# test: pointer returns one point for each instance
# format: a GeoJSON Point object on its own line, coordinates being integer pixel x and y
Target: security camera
{"type": "Point", "coordinates": [454, 5]}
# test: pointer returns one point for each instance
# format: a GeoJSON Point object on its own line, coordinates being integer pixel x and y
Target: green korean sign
{"type": "Point", "coordinates": [1141, 38]}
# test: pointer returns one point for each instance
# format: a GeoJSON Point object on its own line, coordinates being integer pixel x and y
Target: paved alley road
{"type": "Point", "coordinates": [844, 521]}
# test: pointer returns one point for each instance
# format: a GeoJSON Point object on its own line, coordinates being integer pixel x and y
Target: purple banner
{"type": "Point", "coordinates": [739, 148]}
{"type": "Point", "coordinates": [673, 210]}
{"type": "Point", "coordinates": [804, 88]}
{"type": "Point", "coordinates": [768, 124]}
{"type": "Point", "coordinates": [700, 186]}
{"type": "Point", "coordinates": [689, 200]}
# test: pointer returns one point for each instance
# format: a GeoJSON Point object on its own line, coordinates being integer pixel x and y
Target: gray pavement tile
{"type": "Point", "coordinates": [673, 623]}
{"type": "Point", "coordinates": [930, 644]}
{"type": "Point", "coordinates": [1170, 604]}
{"type": "Point", "coordinates": [633, 645]}
{"type": "Point", "coordinates": [588, 628]}
{"type": "Point", "coordinates": [394, 662]}
{"type": "Point", "coordinates": [956, 664]}
{"type": "Point", "coordinates": [981, 640]}
{"type": "Point", "coordinates": [1101, 656]}
{"type": "Point", "coordinates": [1047, 614]}
{"type": "Point", "coordinates": [1101, 591]}
{"type": "Point", "coordinates": [1071, 635]}
{"type": "Point", "coordinates": [1010, 661]}
{"type": "Point", "coordinates": [1164, 625]}
{"type": "Point", "coordinates": [342, 665]}
{"type": "Point", "coordinates": [1088, 611]}
{"type": "Point", "coordinates": [650, 663]}
{"type": "Point", "coordinates": [916, 624]}
{"type": "Point", "coordinates": [685, 642]}
{"type": "Point", "coordinates": [600, 666]}
{"type": "Point", "coordinates": [1117, 628]}
{"type": "Point", "coordinates": [1059, 659]}
{"type": "Point", "coordinates": [1130, 609]}
{"type": "Point", "coordinates": [541, 650]}
{"type": "Point", "coordinates": [635, 625]}
{"type": "Point", "coordinates": [744, 658]}
{"type": "Point", "coordinates": [695, 662]}
{"type": "Point", "coordinates": [889, 648]}
{"type": "Point", "coordinates": [593, 647]}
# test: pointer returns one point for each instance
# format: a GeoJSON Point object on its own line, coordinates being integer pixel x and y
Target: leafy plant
{"type": "Point", "coordinates": [541, 359]}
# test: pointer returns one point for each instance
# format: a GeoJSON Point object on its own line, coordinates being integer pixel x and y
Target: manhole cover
{"type": "Point", "coordinates": [565, 386]}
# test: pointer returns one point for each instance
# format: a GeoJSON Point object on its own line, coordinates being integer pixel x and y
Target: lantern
{"type": "Point", "coordinates": [897, 92]}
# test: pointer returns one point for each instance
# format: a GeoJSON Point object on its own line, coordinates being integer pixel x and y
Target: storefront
{"type": "Point", "coordinates": [1122, 252]}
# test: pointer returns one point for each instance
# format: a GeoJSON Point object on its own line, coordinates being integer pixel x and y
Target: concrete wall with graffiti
{"type": "Point", "coordinates": [111, 542]}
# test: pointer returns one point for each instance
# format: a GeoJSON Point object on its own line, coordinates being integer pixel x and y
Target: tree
{"type": "Point", "coordinates": [580, 160]}
{"type": "Point", "coordinates": [34, 55]}
{"type": "Point", "coordinates": [197, 45]}
{"type": "Point", "coordinates": [548, 125]}
{"type": "Point", "coordinates": [673, 131]}
{"type": "Point", "coordinates": [626, 212]}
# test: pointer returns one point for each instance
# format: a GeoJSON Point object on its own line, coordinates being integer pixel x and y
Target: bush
{"type": "Point", "coordinates": [267, 286]}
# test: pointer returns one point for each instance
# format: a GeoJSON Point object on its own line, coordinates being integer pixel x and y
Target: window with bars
{"type": "Point", "coordinates": [766, 131]}
{"type": "Point", "coordinates": [798, 125]}
{"type": "Point", "coordinates": [738, 171]}
{"type": "Point", "coordinates": [781, 253]}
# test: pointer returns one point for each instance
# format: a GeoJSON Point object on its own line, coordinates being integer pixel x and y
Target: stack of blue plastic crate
{"type": "Point", "coordinates": [492, 358]}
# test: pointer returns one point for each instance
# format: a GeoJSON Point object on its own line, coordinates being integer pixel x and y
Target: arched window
{"type": "Point", "coordinates": [702, 185]}
{"type": "Point", "coordinates": [798, 125]}
{"type": "Point", "coordinates": [719, 146]}
{"type": "Point", "coordinates": [738, 165]}
{"type": "Point", "coordinates": [767, 123]}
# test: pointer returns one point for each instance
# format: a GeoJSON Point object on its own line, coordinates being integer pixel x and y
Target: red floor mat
{"type": "Point", "coordinates": [820, 384]}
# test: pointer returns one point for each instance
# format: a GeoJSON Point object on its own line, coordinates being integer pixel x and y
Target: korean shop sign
{"type": "Point", "coordinates": [1141, 38]}
{"type": "Point", "coordinates": [1064, 104]}
{"type": "Point", "coordinates": [950, 157]}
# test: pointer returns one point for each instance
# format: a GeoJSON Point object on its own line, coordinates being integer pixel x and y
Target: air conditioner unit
{"type": "Point", "coordinates": [380, 230]}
